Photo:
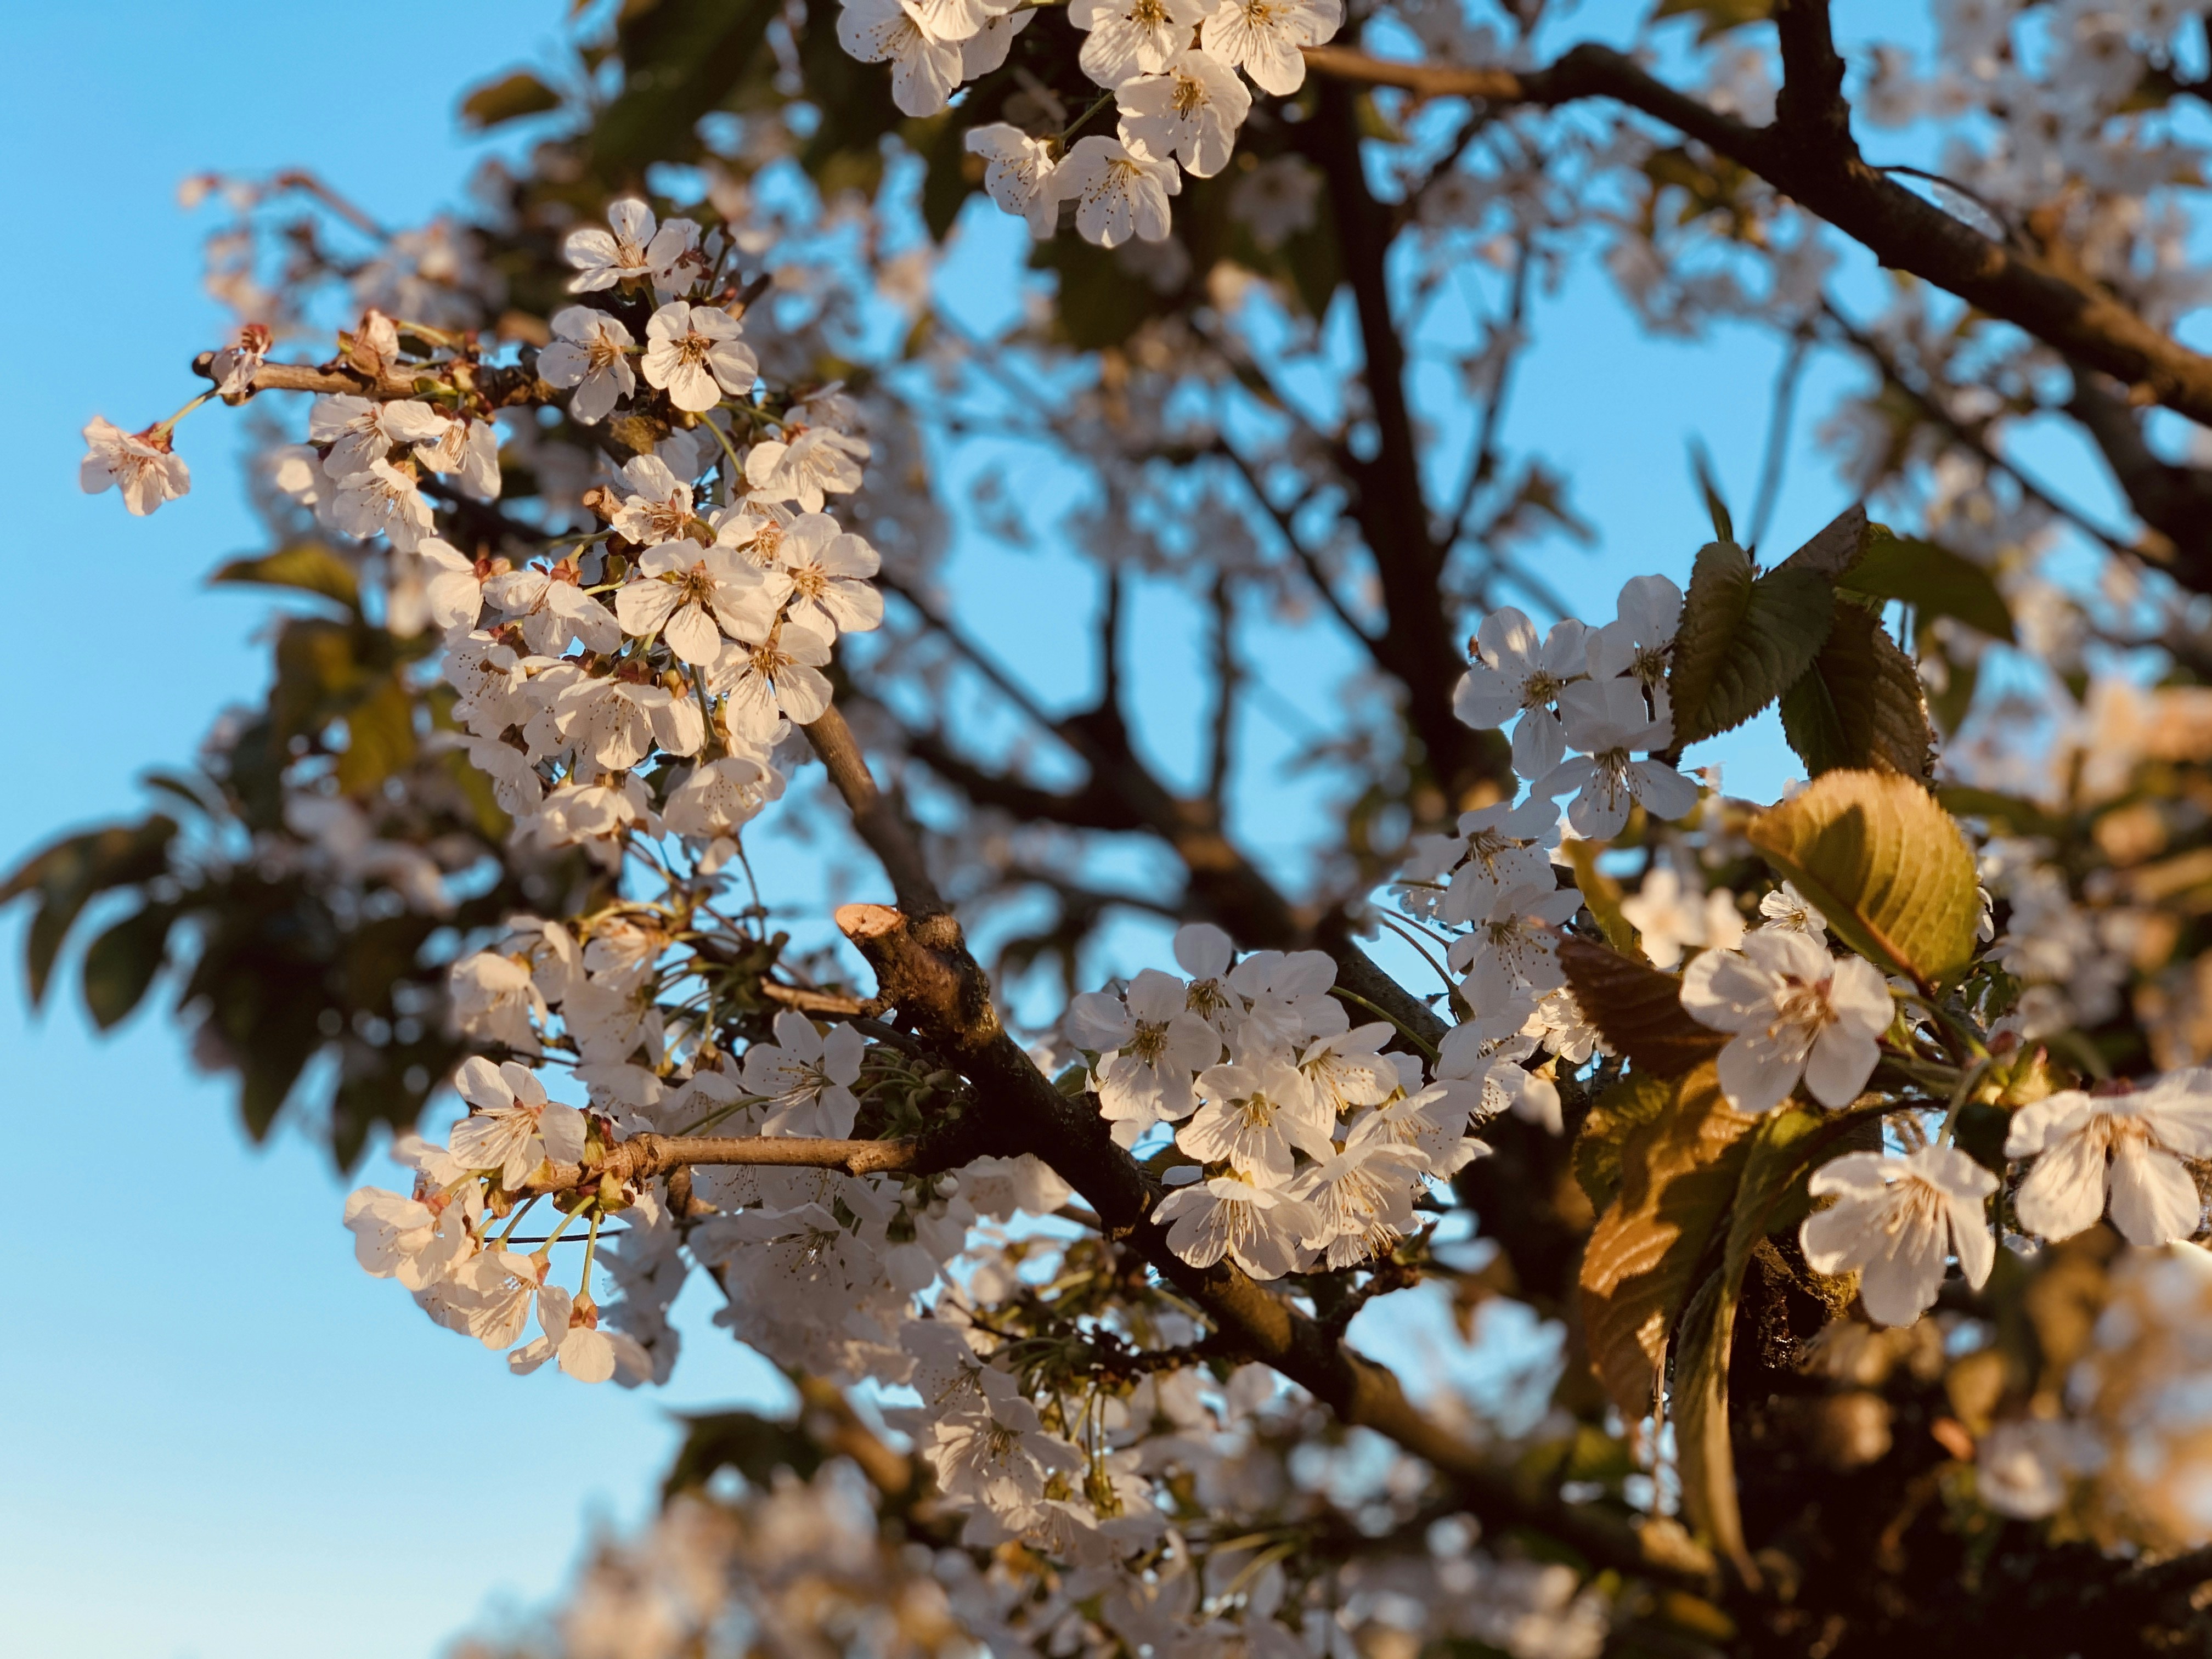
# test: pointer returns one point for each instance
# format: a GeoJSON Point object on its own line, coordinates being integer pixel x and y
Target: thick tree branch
{"type": "Point", "coordinates": [1417, 644]}
{"type": "Point", "coordinates": [1814, 164]}
{"type": "Point", "coordinates": [922, 965]}
{"type": "Point", "coordinates": [2174, 502]}
{"type": "Point", "coordinates": [875, 815]}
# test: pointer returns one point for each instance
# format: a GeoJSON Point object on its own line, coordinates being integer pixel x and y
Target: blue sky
{"type": "Point", "coordinates": [225, 1441]}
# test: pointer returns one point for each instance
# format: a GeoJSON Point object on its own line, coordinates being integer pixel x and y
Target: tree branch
{"type": "Point", "coordinates": [1417, 646]}
{"type": "Point", "coordinates": [1822, 171]}
{"type": "Point", "coordinates": [641, 1157]}
{"type": "Point", "coordinates": [922, 965]}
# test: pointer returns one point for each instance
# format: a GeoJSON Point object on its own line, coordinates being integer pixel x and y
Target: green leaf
{"type": "Point", "coordinates": [1636, 1100]}
{"type": "Point", "coordinates": [66, 875]}
{"type": "Point", "coordinates": [680, 59]}
{"type": "Point", "coordinates": [1886, 864]}
{"type": "Point", "coordinates": [1743, 639]}
{"type": "Point", "coordinates": [1637, 1009]}
{"type": "Point", "coordinates": [1701, 465]}
{"type": "Point", "coordinates": [379, 738]}
{"type": "Point", "coordinates": [1960, 676]}
{"type": "Point", "coordinates": [309, 566]}
{"type": "Point", "coordinates": [1934, 581]}
{"type": "Point", "coordinates": [1860, 704]}
{"type": "Point", "coordinates": [507, 99]}
{"type": "Point", "coordinates": [754, 1446]}
{"type": "Point", "coordinates": [1835, 547]}
{"type": "Point", "coordinates": [1679, 1174]}
{"type": "Point", "coordinates": [1705, 1458]}
{"type": "Point", "coordinates": [2008, 815]}
{"type": "Point", "coordinates": [120, 965]}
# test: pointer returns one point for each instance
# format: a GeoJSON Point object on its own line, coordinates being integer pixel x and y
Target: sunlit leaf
{"type": "Point", "coordinates": [1679, 1173]}
{"type": "Point", "coordinates": [1886, 866]}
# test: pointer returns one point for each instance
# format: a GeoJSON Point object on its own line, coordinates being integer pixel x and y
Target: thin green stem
{"type": "Point", "coordinates": [1404, 1030]}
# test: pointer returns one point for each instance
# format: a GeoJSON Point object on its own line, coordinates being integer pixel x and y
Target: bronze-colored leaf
{"type": "Point", "coordinates": [1679, 1174]}
{"type": "Point", "coordinates": [1637, 1009]}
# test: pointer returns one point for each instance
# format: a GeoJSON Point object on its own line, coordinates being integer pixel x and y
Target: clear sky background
{"type": "Point", "coordinates": [223, 1440]}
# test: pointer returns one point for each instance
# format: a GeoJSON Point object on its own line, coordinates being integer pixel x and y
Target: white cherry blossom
{"type": "Point", "coordinates": [356, 431]}
{"type": "Point", "coordinates": [1515, 673]}
{"type": "Point", "coordinates": [1204, 952]}
{"type": "Point", "coordinates": [636, 249]}
{"type": "Point", "coordinates": [514, 1128]}
{"type": "Point", "coordinates": [572, 1338]}
{"type": "Point", "coordinates": [656, 506]}
{"type": "Point", "coordinates": [1361, 1196]}
{"type": "Point", "coordinates": [2127, 1147]}
{"type": "Point", "coordinates": [590, 352]}
{"type": "Point", "coordinates": [494, 999]}
{"type": "Point", "coordinates": [954, 20]}
{"type": "Point", "coordinates": [721, 797]}
{"type": "Point", "coordinates": [1898, 1221]}
{"type": "Point", "coordinates": [1796, 1012]}
{"type": "Point", "coordinates": [808, 1077]}
{"type": "Point", "coordinates": [1018, 173]}
{"type": "Point", "coordinates": [1254, 1115]}
{"type": "Point", "coordinates": [1607, 720]}
{"type": "Point", "coordinates": [925, 70]}
{"type": "Point", "coordinates": [1502, 848]}
{"type": "Point", "coordinates": [1128, 38]}
{"type": "Point", "coordinates": [1636, 641]}
{"type": "Point", "coordinates": [467, 449]}
{"type": "Point", "coordinates": [986, 50]}
{"type": "Point", "coordinates": [693, 353]}
{"type": "Point", "coordinates": [817, 462]}
{"type": "Point", "coordinates": [1260, 1229]}
{"type": "Point", "coordinates": [384, 499]}
{"type": "Point", "coordinates": [1263, 38]}
{"type": "Point", "coordinates": [1787, 908]}
{"type": "Point", "coordinates": [1513, 948]}
{"type": "Point", "coordinates": [683, 590]}
{"type": "Point", "coordinates": [416, 1242]}
{"type": "Point", "coordinates": [1149, 1047]}
{"type": "Point", "coordinates": [551, 610]}
{"type": "Point", "coordinates": [1117, 195]}
{"type": "Point", "coordinates": [821, 573]}
{"type": "Point", "coordinates": [779, 673]}
{"type": "Point", "coordinates": [1669, 915]}
{"type": "Point", "coordinates": [1189, 111]}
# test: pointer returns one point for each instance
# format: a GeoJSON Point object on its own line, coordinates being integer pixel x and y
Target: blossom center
{"type": "Point", "coordinates": [1541, 689]}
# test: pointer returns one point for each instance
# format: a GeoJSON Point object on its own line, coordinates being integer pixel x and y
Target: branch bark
{"type": "Point", "coordinates": [641, 1157]}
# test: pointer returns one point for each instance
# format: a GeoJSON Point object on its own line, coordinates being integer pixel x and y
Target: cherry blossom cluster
{"type": "Point", "coordinates": [1034, 1425]}
{"type": "Point", "coordinates": [692, 627]}
{"type": "Point", "coordinates": [1170, 67]}
{"type": "Point", "coordinates": [1600, 692]}
{"type": "Point", "coordinates": [707, 1579]}
{"type": "Point", "coordinates": [1311, 1145]}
